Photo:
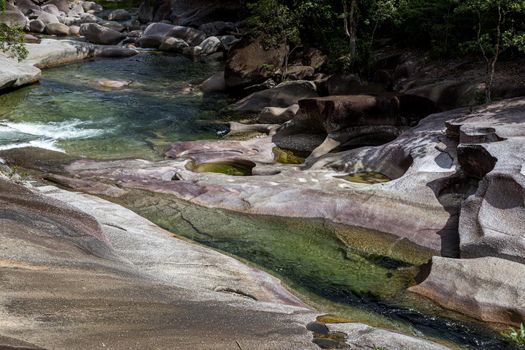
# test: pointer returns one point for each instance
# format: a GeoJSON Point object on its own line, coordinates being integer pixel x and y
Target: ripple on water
{"type": "Point", "coordinates": [79, 116]}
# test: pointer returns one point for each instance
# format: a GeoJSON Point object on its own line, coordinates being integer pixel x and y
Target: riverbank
{"type": "Point", "coordinates": [344, 192]}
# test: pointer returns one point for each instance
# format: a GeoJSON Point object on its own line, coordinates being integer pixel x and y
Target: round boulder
{"type": "Point", "coordinates": [13, 19]}
{"type": "Point", "coordinates": [58, 29]}
{"type": "Point", "coordinates": [98, 34]}
{"type": "Point", "coordinates": [210, 45]}
{"type": "Point", "coordinates": [37, 26]}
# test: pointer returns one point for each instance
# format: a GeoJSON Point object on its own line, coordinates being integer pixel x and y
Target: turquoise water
{"type": "Point", "coordinates": [72, 111]}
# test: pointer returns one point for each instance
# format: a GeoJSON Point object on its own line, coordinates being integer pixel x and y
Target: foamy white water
{"type": "Point", "coordinates": [45, 144]}
{"type": "Point", "coordinates": [66, 130]}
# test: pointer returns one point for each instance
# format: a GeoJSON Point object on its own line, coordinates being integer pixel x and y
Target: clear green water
{"type": "Point", "coordinates": [71, 111]}
{"type": "Point", "coordinates": [334, 267]}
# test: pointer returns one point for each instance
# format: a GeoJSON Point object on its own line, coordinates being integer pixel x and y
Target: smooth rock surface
{"type": "Point", "coordinates": [283, 95]}
{"type": "Point", "coordinates": [127, 283]}
{"type": "Point", "coordinates": [98, 34]}
{"type": "Point", "coordinates": [489, 289]}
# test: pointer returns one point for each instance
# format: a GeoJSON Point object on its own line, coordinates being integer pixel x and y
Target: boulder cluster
{"type": "Point", "coordinates": [87, 19]}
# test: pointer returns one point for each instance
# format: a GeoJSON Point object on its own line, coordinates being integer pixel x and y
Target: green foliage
{"type": "Point", "coordinates": [11, 39]}
{"type": "Point", "coordinates": [348, 29]}
{"type": "Point", "coordinates": [517, 335]}
{"type": "Point", "coordinates": [274, 22]}
{"type": "Point", "coordinates": [12, 42]}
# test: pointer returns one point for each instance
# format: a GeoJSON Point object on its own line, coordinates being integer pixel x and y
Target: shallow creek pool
{"type": "Point", "coordinates": [340, 270]}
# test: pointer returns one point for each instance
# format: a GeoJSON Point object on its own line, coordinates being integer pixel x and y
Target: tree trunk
{"type": "Point", "coordinates": [350, 24]}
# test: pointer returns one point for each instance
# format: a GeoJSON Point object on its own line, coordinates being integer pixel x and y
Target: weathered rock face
{"type": "Point", "coordinates": [283, 95]}
{"type": "Point", "coordinates": [26, 6]}
{"type": "Point", "coordinates": [355, 120]}
{"type": "Point", "coordinates": [489, 289]}
{"type": "Point", "coordinates": [13, 19]}
{"type": "Point", "coordinates": [62, 5]}
{"type": "Point", "coordinates": [421, 164]}
{"type": "Point", "coordinates": [98, 34]}
{"type": "Point", "coordinates": [58, 29]}
{"type": "Point", "coordinates": [14, 74]}
{"type": "Point", "coordinates": [249, 63]}
{"type": "Point", "coordinates": [492, 150]}
{"type": "Point", "coordinates": [147, 282]}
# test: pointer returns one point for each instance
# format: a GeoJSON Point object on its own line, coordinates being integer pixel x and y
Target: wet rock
{"type": "Point", "coordinates": [249, 63]}
{"type": "Point", "coordinates": [98, 34]}
{"type": "Point", "coordinates": [283, 95]}
{"type": "Point", "coordinates": [489, 289]}
{"type": "Point", "coordinates": [58, 29]}
{"type": "Point", "coordinates": [114, 84]}
{"type": "Point", "coordinates": [119, 15]}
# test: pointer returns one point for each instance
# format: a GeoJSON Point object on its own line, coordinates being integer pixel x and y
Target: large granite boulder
{"type": "Point", "coordinates": [355, 120]}
{"type": "Point", "coordinates": [489, 289]}
{"type": "Point", "coordinates": [283, 95]}
{"type": "Point", "coordinates": [14, 74]}
{"type": "Point", "coordinates": [62, 5]}
{"type": "Point", "coordinates": [57, 29]}
{"type": "Point", "coordinates": [90, 263]}
{"type": "Point", "coordinates": [14, 19]}
{"type": "Point", "coordinates": [190, 35]}
{"type": "Point", "coordinates": [249, 63]}
{"type": "Point", "coordinates": [26, 6]}
{"type": "Point", "coordinates": [492, 150]}
{"type": "Point", "coordinates": [98, 34]}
